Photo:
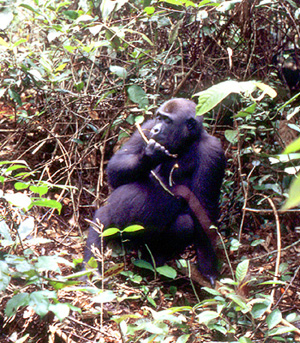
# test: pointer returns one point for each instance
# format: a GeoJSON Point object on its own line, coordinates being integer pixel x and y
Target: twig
{"type": "Point", "coordinates": [288, 286]}
{"type": "Point", "coordinates": [275, 251]}
{"type": "Point", "coordinates": [152, 172]}
{"type": "Point", "coordinates": [55, 330]}
{"type": "Point", "coordinates": [278, 242]}
{"type": "Point", "coordinates": [138, 126]}
{"type": "Point", "coordinates": [246, 191]}
{"type": "Point", "coordinates": [255, 210]}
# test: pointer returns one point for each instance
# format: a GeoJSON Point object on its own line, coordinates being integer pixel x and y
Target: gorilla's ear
{"type": "Point", "coordinates": [194, 126]}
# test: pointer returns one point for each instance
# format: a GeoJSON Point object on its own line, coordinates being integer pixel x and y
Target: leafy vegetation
{"type": "Point", "coordinates": [75, 78]}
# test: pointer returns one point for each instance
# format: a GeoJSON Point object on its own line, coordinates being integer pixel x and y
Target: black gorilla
{"type": "Point", "coordinates": [175, 136]}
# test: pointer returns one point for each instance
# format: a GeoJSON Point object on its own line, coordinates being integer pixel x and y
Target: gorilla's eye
{"type": "Point", "coordinates": [165, 119]}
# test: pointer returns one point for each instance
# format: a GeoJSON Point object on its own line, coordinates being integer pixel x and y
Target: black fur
{"type": "Point", "coordinates": [138, 198]}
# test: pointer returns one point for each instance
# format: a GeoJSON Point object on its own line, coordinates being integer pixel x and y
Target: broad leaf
{"type": "Point", "coordinates": [167, 271]}
{"type": "Point", "coordinates": [294, 195]}
{"type": "Point", "coordinates": [274, 318]}
{"type": "Point", "coordinates": [138, 96]}
{"type": "Point", "coordinates": [241, 271]}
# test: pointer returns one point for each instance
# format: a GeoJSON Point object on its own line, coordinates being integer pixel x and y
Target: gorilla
{"type": "Point", "coordinates": [169, 182]}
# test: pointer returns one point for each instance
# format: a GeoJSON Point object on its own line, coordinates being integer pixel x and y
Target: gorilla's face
{"type": "Point", "coordinates": [175, 125]}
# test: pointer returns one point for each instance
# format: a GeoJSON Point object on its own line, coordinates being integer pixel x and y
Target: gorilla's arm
{"type": "Point", "coordinates": [209, 176]}
{"type": "Point", "coordinates": [134, 161]}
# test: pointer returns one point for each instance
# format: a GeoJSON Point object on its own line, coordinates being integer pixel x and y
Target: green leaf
{"type": "Point", "coordinates": [293, 147]}
{"type": "Point", "coordinates": [217, 327]}
{"type": "Point", "coordinates": [158, 328]}
{"type": "Point", "coordinates": [119, 71]}
{"type": "Point", "coordinates": [41, 190]}
{"type": "Point", "coordinates": [133, 228]}
{"type": "Point", "coordinates": [280, 331]}
{"type": "Point", "coordinates": [167, 271]}
{"type": "Point", "coordinates": [211, 291]}
{"type": "Point", "coordinates": [292, 317]}
{"type": "Point", "coordinates": [4, 276]}
{"type": "Point", "coordinates": [94, 30]}
{"type": "Point", "coordinates": [4, 230]}
{"type": "Point", "coordinates": [149, 10]}
{"type": "Point", "coordinates": [244, 340]}
{"type": "Point", "coordinates": [19, 186]}
{"type": "Point", "coordinates": [19, 300]}
{"type": "Point", "coordinates": [30, 8]}
{"type": "Point", "coordinates": [39, 303]}
{"type": "Point", "coordinates": [284, 158]}
{"type": "Point", "coordinates": [259, 309]}
{"type": "Point", "coordinates": [18, 199]}
{"type": "Point", "coordinates": [70, 48]}
{"type": "Point", "coordinates": [238, 300]}
{"type": "Point", "coordinates": [257, 242]}
{"type": "Point", "coordinates": [24, 267]}
{"type": "Point", "coordinates": [294, 195]}
{"type": "Point", "coordinates": [4, 43]}
{"type": "Point", "coordinates": [173, 33]}
{"type": "Point", "coordinates": [234, 244]}
{"type": "Point", "coordinates": [112, 37]}
{"type": "Point", "coordinates": [20, 41]}
{"type": "Point", "coordinates": [108, 6]}
{"type": "Point", "coordinates": [15, 167]}
{"type": "Point", "coordinates": [273, 282]}
{"type": "Point", "coordinates": [47, 203]}
{"type": "Point", "coordinates": [79, 87]}
{"type": "Point", "coordinates": [247, 111]}
{"type": "Point", "coordinates": [15, 96]}
{"type": "Point", "coordinates": [241, 271]}
{"type": "Point", "coordinates": [110, 232]}
{"type": "Point", "coordinates": [73, 15]}
{"type": "Point", "coordinates": [104, 297]}
{"type": "Point", "coordinates": [77, 141]}
{"type": "Point", "coordinates": [119, 319]}
{"type": "Point", "coordinates": [232, 136]}
{"type": "Point", "coordinates": [137, 95]}
{"type": "Point", "coordinates": [274, 318]}
{"type": "Point", "coordinates": [207, 316]}
{"type": "Point", "coordinates": [211, 97]}
{"type": "Point", "coordinates": [151, 301]}
{"type": "Point", "coordinates": [47, 263]}
{"type": "Point", "coordinates": [26, 227]}
{"type": "Point", "coordinates": [61, 67]}
{"type": "Point", "coordinates": [6, 17]}
{"type": "Point", "coordinates": [174, 2]}
{"type": "Point", "coordinates": [143, 264]}
{"type": "Point", "coordinates": [60, 310]}
{"type": "Point", "coordinates": [142, 35]}
{"type": "Point", "coordinates": [15, 161]}
{"type": "Point", "coordinates": [183, 338]}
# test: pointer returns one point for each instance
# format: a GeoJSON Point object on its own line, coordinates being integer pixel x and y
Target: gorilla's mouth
{"type": "Point", "coordinates": [164, 148]}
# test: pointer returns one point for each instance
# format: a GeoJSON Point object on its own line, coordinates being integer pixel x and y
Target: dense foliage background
{"type": "Point", "coordinates": [75, 78]}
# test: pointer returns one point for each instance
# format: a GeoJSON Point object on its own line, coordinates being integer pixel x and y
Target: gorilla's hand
{"type": "Point", "coordinates": [156, 151]}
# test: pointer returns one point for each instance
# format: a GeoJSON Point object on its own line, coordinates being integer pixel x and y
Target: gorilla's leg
{"type": "Point", "coordinates": [145, 204]}
{"type": "Point", "coordinates": [185, 231]}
